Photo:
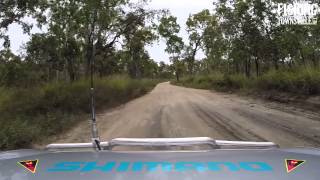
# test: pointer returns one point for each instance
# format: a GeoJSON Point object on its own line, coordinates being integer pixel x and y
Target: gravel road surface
{"type": "Point", "coordinates": [172, 111]}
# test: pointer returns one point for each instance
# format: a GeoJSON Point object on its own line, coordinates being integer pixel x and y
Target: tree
{"type": "Point", "coordinates": [43, 55]}
{"type": "Point", "coordinates": [136, 38]}
{"type": "Point", "coordinates": [247, 28]}
{"type": "Point", "coordinates": [14, 12]}
{"type": "Point", "coordinates": [169, 29]}
{"type": "Point", "coordinates": [164, 71]}
{"type": "Point", "coordinates": [13, 71]}
{"type": "Point", "coordinates": [197, 24]}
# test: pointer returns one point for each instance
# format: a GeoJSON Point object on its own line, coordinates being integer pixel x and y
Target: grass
{"type": "Point", "coordinates": [33, 114]}
{"type": "Point", "coordinates": [303, 81]}
{"type": "Point", "coordinates": [300, 81]}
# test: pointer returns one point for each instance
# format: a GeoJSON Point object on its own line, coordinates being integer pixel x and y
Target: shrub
{"type": "Point", "coordinates": [201, 81]}
{"type": "Point", "coordinates": [33, 114]}
{"type": "Point", "coordinates": [299, 81]}
{"type": "Point", "coordinates": [238, 81]}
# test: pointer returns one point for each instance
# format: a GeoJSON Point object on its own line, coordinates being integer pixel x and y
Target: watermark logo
{"type": "Point", "coordinates": [298, 12]}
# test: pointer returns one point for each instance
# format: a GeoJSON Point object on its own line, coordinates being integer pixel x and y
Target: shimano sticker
{"type": "Point", "coordinates": [156, 166]}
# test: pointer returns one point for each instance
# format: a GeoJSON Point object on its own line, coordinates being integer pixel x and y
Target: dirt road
{"type": "Point", "coordinates": [171, 111]}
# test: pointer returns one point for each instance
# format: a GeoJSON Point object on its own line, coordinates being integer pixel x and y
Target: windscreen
{"type": "Point", "coordinates": [230, 70]}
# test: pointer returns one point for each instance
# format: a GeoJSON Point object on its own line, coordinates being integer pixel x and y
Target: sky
{"type": "Point", "coordinates": [179, 8]}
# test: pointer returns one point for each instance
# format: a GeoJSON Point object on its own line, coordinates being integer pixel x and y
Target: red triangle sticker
{"type": "Point", "coordinates": [292, 164]}
{"type": "Point", "coordinates": [30, 165]}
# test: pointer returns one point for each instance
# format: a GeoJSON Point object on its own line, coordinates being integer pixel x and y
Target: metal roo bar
{"type": "Point", "coordinates": [245, 145]}
{"type": "Point", "coordinates": [163, 142]}
{"type": "Point", "coordinates": [153, 142]}
{"type": "Point", "coordinates": [75, 145]}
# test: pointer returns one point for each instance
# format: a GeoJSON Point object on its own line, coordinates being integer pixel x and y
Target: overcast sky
{"type": "Point", "coordinates": [179, 8]}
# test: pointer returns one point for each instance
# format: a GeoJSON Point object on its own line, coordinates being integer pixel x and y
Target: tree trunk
{"type": "Point", "coordinates": [314, 59]}
{"type": "Point", "coordinates": [191, 65]}
{"type": "Point", "coordinates": [177, 76]}
{"type": "Point", "coordinates": [207, 66]}
{"type": "Point", "coordinates": [71, 72]}
{"type": "Point", "coordinates": [248, 68]}
{"type": "Point", "coordinates": [237, 68]}
{"type": "Point", "coordinates": [57, 75]}
{"type": "Point", "coordinates": [257, 66]}
{"type": "Point", "coordinates": [302, 57]}
{"type": "Point", "coordinates": [275, 60]}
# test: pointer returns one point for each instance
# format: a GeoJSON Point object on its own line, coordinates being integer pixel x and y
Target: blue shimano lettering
{"type": "Point", "coordinates": [219, 166]}
{"type": "Point", "coordinates": [123, 167]}
{"type": "Point", "coordinates": [66, 167]}
{"type": "Point", "coordinates": [255, 166]}
{"type": "Point", "coordinates": [95, 166]}
{"type": "Point", "coordinates": [190, 166]}
{"type": "Point", "coordinates": [152, 166]}
{"type": "Point", "coordinates": [147, 166]}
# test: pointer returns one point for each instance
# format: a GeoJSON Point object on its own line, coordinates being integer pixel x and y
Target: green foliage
{"type": "Point", "coordinates": [32, 114]}
{"type": "Point", "coordinates": [301, 81]}
{"type": "Point", "coordinates": [304, 81]}
{"type": "Point", "coordinates": [202, 81]}
{"type": "Point", "coordinates": [14, 72]}
{"type": "Point", "coordinates": [15, 11]}
{"type": "Point", "coordinates": [238, 81]}
{"type": "Point", "coordinates": [245, 37]}
{"type": "Point", "coordinates": [169, 29]}
{"type": "Point", "coordinates": [79, 32]}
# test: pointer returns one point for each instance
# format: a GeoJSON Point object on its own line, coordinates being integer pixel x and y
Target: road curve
{"type": "Point", "coordinates": [172, 111]}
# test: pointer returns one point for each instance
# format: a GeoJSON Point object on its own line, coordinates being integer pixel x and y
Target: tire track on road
{"type": "Point", "coordinates": [270, 122]}
{"type": "Point", "coordinates": [225, 125]}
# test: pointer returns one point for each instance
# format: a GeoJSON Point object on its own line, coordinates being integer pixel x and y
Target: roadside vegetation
{"type": "Point", "coordinates": [45, 89]}
{"type": "Point", "coordinates": [302, 81]}
{"type": "Point", "coordinates": [245, 48]}
{"type": "Point", "coordinates": [33, 114]}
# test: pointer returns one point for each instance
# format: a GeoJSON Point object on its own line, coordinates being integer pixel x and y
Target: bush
{"type": "Point", "coordinates": [201, 81]}
{"type": "Point", "coordinates": [33, 114]}
{"type": "Point", "coordinates": [304, 81]}
{"type": "Point", "coordinates": [300, 81]}
{"type": "Point", "coordinates": [238, 81]}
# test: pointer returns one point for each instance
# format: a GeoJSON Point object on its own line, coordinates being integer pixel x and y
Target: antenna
{"type": "Point", "coordinates": [94, 130]}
